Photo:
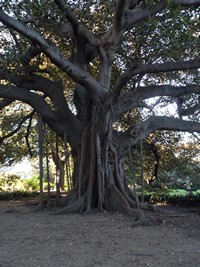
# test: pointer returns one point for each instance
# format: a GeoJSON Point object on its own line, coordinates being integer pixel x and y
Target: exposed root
{"type": "Point", "coordinates": [75, 207]}
{"type": "Point", "coordinates": [119, 203]}
{"type": "Point", "coordinates": [139, 217]}
{"type": "Point", "coordinates": [149, 207]}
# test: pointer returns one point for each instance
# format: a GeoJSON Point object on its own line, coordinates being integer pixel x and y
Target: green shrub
{"type": "Point", "coordinates": [12, 183]}
{"type": "Point", "coordinates": [33, 184]}
{"type": "Point", "coordinates": [180, 200]}
{"type": "Point", "coordinates": [8, 182]}
{"type": "Point", "coordinates": [17, 195]}
{"type": "Point", "coordinates": [189, 200]}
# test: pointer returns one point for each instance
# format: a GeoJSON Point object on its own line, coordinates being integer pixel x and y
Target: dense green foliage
{"type": "Point", "coordinates": [13, 183]}
{"type": "Point", "coordinates": [174, 197]}
{"type": "Point", "coordinates": [17, 195]}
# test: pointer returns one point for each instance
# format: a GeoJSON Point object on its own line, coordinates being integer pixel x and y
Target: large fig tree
{"type": "Point", "coordinates": [89, 68]}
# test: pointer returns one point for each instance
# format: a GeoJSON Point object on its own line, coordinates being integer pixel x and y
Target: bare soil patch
{"type": "Point", "coordinates": [31, 239]}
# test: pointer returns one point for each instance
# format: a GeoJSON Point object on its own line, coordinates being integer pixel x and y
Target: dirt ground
{"type": "Point", "coordinates": [33, 239]}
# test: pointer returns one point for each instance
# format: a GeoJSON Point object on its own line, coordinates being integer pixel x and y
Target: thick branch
{"type": "Point", "coordinates": [68, 14]}
{"type": "Point", "coordinates": [118, 21]}
{"type": "Point", "coordinates": [137, 15]}
{"type": "Point", "coordinates": [66, 30]}
{"type": "Point", "coordinates": [187, 2]}
{"type": "Point", "coordinates": [153, 68]}
{"type": "Point", "coordinates": [134, 98]}
{"type": "Point", "coordinates": [142, 130]}
{"type": "Point", "coordinates": [33, 82]}
{"type": "Point", "coordinates": [165, 90]}
{"type": "Point", "coordinates": [76, 73]}
{"type": "Point", "coordinates": [55, 120]}
{"type": "Point", "coordinates": [165, 123]}
{"type": "Point", "coordinates": [52, 89]}
{"type": "Point", "coordinates": [21, 94]}
{"type": "Point", "coordinates": [105, 68]}
{"type": "Point", "coordinates": [5, 102]}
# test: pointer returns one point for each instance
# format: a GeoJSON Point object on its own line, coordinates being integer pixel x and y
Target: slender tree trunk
{"type": "Point", "coordinates": [67, 164]}
{"type": "Point", "coordinates": [133, 177]}
{"type": "Point", "coordinates": [142, 172]}
{"type": "Point", "coordinates": [57, 176]}
{"type": "Point", "coordinates": [40, 141]}
{"type": "Point", "coordinates": [47, 168]}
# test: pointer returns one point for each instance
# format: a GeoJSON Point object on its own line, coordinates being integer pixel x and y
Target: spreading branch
{"type": "Point", "coordinates": [68, 14]}
{"type": "Point", "coordinates": [118, 21]}
{"type": "Point", "coordinates": [52, 89]}
{"type": "Point", "coordinates": [137, 15]}
{"type": "Point", "coordinates": [76, 73]}
{"type": "Point", "coordinates": [5, 102]}
{"type": "Point", "coordinates": [132, 17]}
{"type": "Point", "coordinates": [134, 98]}
{"type": "Point", "coordinates": [21, 94]}
{"type": "Point", "coordinates": [187, 2]}
{"type": "Point", "coordinates": [153, 68]}
{"type": "Point", "coordinates": [142, 130]}
{"type": "Point", "coordinates": [57, 121]}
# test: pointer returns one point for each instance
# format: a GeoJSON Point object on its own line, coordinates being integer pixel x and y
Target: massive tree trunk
{"type": "Point", "coordinates": [99, 181]}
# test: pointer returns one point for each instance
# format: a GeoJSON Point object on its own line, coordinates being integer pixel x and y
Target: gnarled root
{"type": "Point", "coordinates": [119, 203]}
{"type": "Point", "coordinates": [75, 207]}
{"type": "Point", "coordinates": [149, 207]}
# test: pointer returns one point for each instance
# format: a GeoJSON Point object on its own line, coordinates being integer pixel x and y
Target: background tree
{"type": "Point", "coordinates": [81, 65]}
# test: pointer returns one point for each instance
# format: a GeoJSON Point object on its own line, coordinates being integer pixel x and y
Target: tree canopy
{"type": "Point", "coordinates": [100, 73]}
